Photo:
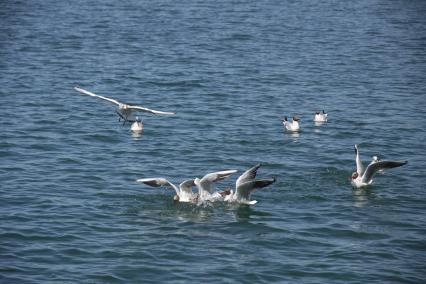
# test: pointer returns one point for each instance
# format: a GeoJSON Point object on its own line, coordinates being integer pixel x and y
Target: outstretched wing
{"type": "Point", "coordinates": [97, 96]}
{"type": "Point", "coordinates": [244, 190]}
{"type": "Point", "coordinates": [372, 168]}
{"type": "Point", "coordinates": [248, 175]}
{"type": "Point", "coordinates": [186, 186]}
{"type": "Point", "coordinates": [359, 166]}
{"type": "Point", "coordinates": [144, 109]}
{"type": "Point", "coordinates": [156, 182]}
{"type": "Point", "coordinates": [206, 183]}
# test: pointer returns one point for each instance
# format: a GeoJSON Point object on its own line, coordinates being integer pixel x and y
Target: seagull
{"type": "Point", "coordinates": [320, 117]}
{"type": "Point", "coordinates": [184, 192]}
{"type": "Point", "coordinates": [205, 186]}
{"type": "Point", "coordinates": [137, 124]}
{"type": "Point", "coordinates": [124, 111]}
{"type": "Point", "coordinates": [293, 126]}
{"type": "Point", "coordinates": [246, 184]}
{"type": "Point", "coordinates": [362, 178]}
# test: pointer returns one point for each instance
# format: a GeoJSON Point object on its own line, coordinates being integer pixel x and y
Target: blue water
{"type": "Point", "coordinates": [71, 211]}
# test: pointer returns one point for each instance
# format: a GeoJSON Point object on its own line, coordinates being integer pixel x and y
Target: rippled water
{"type": "Point", "coordinates": [71, 211]}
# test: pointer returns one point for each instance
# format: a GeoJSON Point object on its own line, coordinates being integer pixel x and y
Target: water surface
{"type": "Point", "coordinates": [71, 211]}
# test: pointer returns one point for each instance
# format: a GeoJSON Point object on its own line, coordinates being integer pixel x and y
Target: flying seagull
{"type": "Point", "coordinates": [362, 178]}
{"type": "Point", "coordinates": [124, 111]}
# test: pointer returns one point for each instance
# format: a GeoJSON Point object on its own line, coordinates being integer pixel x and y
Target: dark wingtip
{"type": "Point", "coordinates": [402, 162]}
{"type": "Point", "coordinates": [152, 183]}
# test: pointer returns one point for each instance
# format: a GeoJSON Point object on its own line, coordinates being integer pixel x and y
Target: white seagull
{"type": "Point", "coordinates": [206, 184]}
{"type": "Point", "coordinates": [246, 184]}
{"type": "Point", "coordinates": [293, 126]}
{"type": "Point", "coordinates": [362, 178]}
{"type": "Point", "coordinates": [137, 124]}
{"type": "Point", "coordinates": [320, 117]}
{"type": "Point", "coordinates": [124, 111]}
{"type": "Point", "coordinates": [184, 192]}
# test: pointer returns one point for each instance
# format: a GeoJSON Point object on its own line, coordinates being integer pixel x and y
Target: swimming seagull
{"type": "Point", "coordinates": [246, 184]}
{"type": "Point", "coordinates": [137, 124]}
{"type": "Point", "coordinates": [206, 184]}
{"type": "Point", "coordinates": [362, 178]}
{"type": "Point", "coordinates": [320, 117]}
{"type": "Point", "coordinates": [293, 126]}
{"type": "Point", "coordinates": [183, 192]}
{"type": "Point", "coordinates": [124, 111]}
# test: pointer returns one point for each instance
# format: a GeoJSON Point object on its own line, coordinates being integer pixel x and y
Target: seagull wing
{"type": "Point", "coordinates": [186, 186]}
{"type": "Point", "coordinates": [144, 109]}
{"type": "Point", "coordinates": [372, 168]}
{"type": "Point", "coordinates": [359, 166]}
{"type": "Point", "coordinates": [206, 183]}
{"type": "Point", "coordinates": [245, 189]}
{"type": "Point", "coordinates": [248, 175]}
{"type": "Point", "coordinates": [97, 96]}
{"type": "Point", "coordinates": [156, 182]}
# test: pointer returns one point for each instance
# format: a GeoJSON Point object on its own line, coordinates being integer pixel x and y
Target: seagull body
{"type": "Point", "coordinates": [362, 178]}
{"type": "Point", "coordinates": [246, 184]}
{"type": "Point", "coordinates": [206, 184]}
{"type": "Point", "coordinates": [124, 110]}
{"type": "Point", "coordinates": [137, 125]}
{"type": "Point", "coordinates": [291, 126]}
{"type": "Point", "coordinates": [184, 192]}
{"type": "Point", "coordinates": [320, 117]}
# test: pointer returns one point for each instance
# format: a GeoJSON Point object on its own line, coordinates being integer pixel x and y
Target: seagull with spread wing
{"type": "Point", "coordinates": [206, 185]}
{"type": "Point", "coordinates": [361, 178]}
{"type": "Point", "coordinates": [246, 184]}
{"type": "Point", "coordinates": [124, 111]}
{"type": "Point", "coordinates": [184, 191]}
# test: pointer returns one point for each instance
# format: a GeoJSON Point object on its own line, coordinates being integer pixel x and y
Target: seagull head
{"type": "Point", "coordinates": [354, 175]}
{"type": "Point", "coordinates": [317, 112]}
{"type": "Point", "coordinates": [296, 118]}
{"type": "Point", "coordinates": [197, 181]}
{"type": "Point", "coordinates": [175, 198]}
{"type": "Point", "coordinates": [138, 119]}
